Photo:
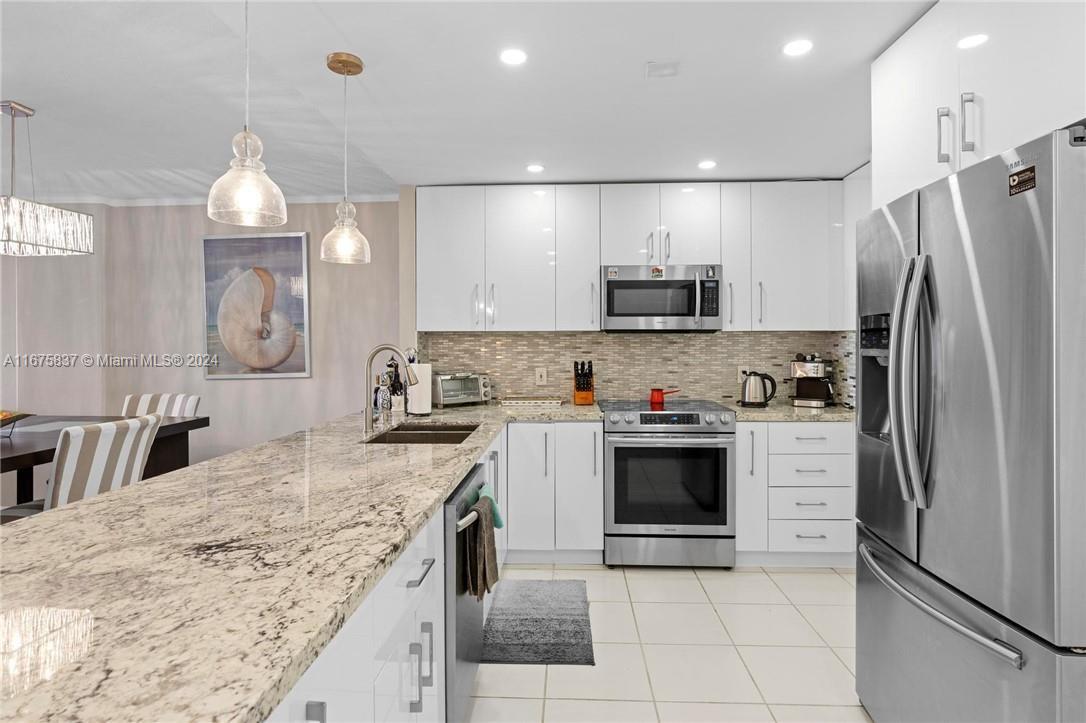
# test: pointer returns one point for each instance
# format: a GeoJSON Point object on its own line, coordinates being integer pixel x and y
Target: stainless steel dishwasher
{"type": "Point", "coordinates": [463, 613]}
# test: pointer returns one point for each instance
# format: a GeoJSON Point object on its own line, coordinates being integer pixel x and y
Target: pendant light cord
{"type": "Point", "coordinates": [246, 64]}
{"type": "Point", "coordinates": [344, 137]}
{"type": "Point", "coordinates": [11, 188]}
{"type": "Point", "coordinates": [30, 158]}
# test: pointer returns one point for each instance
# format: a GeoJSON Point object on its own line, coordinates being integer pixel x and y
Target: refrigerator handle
{"type": "Point", "coordinates": [895, 376]}
{"type": "Point", "coordinates": [906, 381]}
{"type": "Point", "coordinates": [1006, 652]}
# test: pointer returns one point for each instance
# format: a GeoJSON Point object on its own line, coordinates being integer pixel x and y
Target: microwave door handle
{"type": "Point", "coordinates": [896, 314]}
{"type": "Point", "coordinates": [667, 247]}
{"type": "Point", "coordinates": [697, 296]}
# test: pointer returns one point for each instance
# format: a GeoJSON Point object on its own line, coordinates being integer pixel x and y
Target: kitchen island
{"type": "Point", "coordinates": [207, 592]}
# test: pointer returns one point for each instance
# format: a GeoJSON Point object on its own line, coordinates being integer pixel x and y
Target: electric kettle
{"type": "Point", "coordinates": [754, 392]}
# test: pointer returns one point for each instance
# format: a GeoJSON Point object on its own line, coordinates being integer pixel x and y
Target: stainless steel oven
{"type": "Point", "coordinates": [662, 298]}
{"type": "Point", "coordinates": [669, 496]}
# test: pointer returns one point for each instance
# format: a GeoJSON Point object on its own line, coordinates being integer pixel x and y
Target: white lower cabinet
{"type": "Point", "coordinates": [387, 661]}
{"type": "Point", "coordinates": [555, 477]}
{"type": "Point", "coordinates": [751, 496]}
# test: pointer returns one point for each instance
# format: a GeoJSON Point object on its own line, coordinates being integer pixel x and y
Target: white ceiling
{"type": "Point", "coordinates": [138, 101]}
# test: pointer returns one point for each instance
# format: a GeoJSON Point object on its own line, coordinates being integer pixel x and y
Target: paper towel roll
{"type": "Point", "coordinates": [419, 396]}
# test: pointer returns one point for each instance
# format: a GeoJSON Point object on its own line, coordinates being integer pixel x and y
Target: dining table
{"type": "Point", "coordinates": [34, 440]}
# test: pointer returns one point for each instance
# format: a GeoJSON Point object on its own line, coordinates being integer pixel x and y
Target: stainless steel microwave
{"type": "Point", "coordinates": [661, 298]}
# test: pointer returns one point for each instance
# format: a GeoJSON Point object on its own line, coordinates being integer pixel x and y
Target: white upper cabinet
{"type": "Point", "coordinates": [856, 190]}
{"type": "Point", "coordinates": [914, 89]}
{"type": "Point", "coordinates": [450, 233]}
{"type": "Point", "coordinates": [689, 223]}
{"type": "Point", "coordinates": [520, 258]}
{"type": "Point", "coordinates": [1026, 80]}
{"type": "Point", "coordinates": [629, 224]}
{"type": "Point", "coordinates": [937, 108]}
{"type": "Point", "coordinates": [577, 236]}
{"type": "Point", "coordinates": [735, 255]}
{"type": "Point", "coordinates": [792, 254]}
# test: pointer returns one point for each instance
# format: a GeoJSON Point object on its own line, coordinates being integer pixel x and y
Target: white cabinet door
{"type": "Point", "coordinates": [577, 238]}
{"type": "Point", "coordinates": [857, 205]}
{"type": "Point", "coordinates": [910, 81]}
{"type": "Point", "coordinates": [430, 627]}
{"type": "Point", "coordinates": [751, 488]}
{"type": "Point", "coordinates": [449, 248]}
{"type": "Point", "coordinates": [735, 254]}
{"type": "Point", "coordinates": [629, 224]}
{"type": "Point", "coordinates": [1017, 79]}
{"type": "Point", "coordinates": [520, 258]}
{"type": "Point", "coordinates": [531, 486]}
{"type": "Point", "coordinates": [494, 461]}
{"type": "Point", "coordinates": [398, 685]}
{"type": "Point", "coordinates": [790, 255]}
{"type": "Point", "coordinates": [690, 223]}
{"type": "Point", "coordinates": [578, 486]}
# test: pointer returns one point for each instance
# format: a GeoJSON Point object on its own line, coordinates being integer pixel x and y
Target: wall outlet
{"type": "Point", "coordinates": [739, 374]}
{"type": "Point", "coordinates": [540, 376]}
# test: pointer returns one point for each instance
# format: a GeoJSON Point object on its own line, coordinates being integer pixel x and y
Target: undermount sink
{"type": "Point", "coordinates": [426, 434]}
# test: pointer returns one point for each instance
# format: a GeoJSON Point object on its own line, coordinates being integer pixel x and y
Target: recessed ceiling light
{"type": "Point", "coordinates": [797, 47]}
{"type": "Point", "coordinates": [707, 165]}
{"type": "Point", "coordinates": [513, 56]}
{"type": "Point", "coordinates": [688, 190]}
{"type": "Point", "coordinates": [972, 41]}
{"type": "Point", "coordinates": [534, 168]}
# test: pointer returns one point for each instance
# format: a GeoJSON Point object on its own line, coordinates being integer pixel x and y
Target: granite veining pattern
{"type": "Point", "coordinates": [783, 411]}
{"type": "Point", "coordinates": [204, 594]}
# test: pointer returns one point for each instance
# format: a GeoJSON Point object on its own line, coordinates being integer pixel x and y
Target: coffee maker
{"type": "Point", "coordinates": [813, 377]}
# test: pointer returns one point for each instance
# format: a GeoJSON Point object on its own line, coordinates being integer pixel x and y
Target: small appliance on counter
{"type": "Point", "coordinates": [460, 388]}
{"type": "Point", "coordinates": [754, 391]}
{"type": "Point", "coordinates": [584, 383]}
{"type": "Point", "coordinates": [814, 381]}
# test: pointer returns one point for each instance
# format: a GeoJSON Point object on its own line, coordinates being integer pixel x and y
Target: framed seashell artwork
{"type": "Point", "coordinates": [256, 300]}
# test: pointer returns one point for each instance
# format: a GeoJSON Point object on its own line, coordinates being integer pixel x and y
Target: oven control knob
{"type": "Point", "coordinates": [614, 418]}
{"type": "Point", "coordinates": [629, 419]}
{"type": "Point", "coordinates": [710, 418]}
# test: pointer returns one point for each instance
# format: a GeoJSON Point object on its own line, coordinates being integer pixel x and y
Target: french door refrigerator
{"type": "Point", "coordinates": [971, 497]}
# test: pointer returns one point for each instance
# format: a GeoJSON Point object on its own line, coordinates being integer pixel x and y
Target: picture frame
{"type": "Point", "coordinates": [256, 306]}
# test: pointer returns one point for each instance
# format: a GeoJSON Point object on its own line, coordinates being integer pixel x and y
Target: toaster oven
{"type": "Point", "coordinates": [460, 388]}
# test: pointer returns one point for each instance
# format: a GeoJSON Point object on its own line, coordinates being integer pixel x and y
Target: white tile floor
{"type": "Point", "coordinates": [678, 645]}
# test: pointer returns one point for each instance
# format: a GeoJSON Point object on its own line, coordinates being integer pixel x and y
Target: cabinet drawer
{"type": "Point", "coordinates": [811, 437]}
{"type": "Point", "coordinates": [811, 535]}
{"type": "Point", "coordinates": [810, 503]}
{"type": "Point", "coordinates": [812, 470]}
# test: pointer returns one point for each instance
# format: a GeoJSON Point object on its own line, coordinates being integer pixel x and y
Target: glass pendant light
{"type": "Point", "coordinates": [345, 244]}
{"type": "Point", "coordinates": [245, 195]}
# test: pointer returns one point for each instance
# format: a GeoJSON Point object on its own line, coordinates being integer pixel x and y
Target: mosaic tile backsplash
{"type": "Point", "coordinates": [703, 366]}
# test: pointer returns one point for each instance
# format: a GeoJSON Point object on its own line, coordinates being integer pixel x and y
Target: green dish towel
{"type": "Point", "coordinates": [488, 491]}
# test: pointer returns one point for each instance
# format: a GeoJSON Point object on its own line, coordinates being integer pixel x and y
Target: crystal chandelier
{"type": "Point", "coordinates": [245, 195]}
{"type": "Point", "coordinates": [29, 228]}
{"type": "Point", "coordinates": [345, 244]}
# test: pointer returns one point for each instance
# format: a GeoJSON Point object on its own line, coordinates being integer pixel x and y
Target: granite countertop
{"type": "Point", "coordinates": [783, 411]}
{"type": "Point", "coordinates": [206, 593]}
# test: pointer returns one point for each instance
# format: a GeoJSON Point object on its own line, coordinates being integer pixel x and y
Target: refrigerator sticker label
{"type": "Point", "coordinates": [657, 272]}
{"type": "Point", "coordinates": [1023, 180]}
{"type": "Point", "coordinates": [612, 272]}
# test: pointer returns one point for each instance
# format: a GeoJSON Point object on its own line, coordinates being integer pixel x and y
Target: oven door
{"type": "Point", "coordinates": [669, 484]}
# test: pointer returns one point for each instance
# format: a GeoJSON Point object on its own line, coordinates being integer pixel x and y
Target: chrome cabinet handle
{"type": "Point", "coordinates": [316, 711]}
{"type": "Point", "coordinates": [651, 240]}
{"type": "Point", "coordinates": [971, 99]}
{"type": "Point", "coordinates": [1006, 652]}
{"type": "Point", "coordinates": [667, 247]}
{"type": "Point", "coordinates": [810, 537]}
{"type": "Point", "coordinates": [761, 302]}
{"type": "Point", "coordinates": [811, 504]}
{"type": "Point", "coordinates": [594, 473]}
{"type": "Point", "coordinates": [592, 303]}
{"type": "Point", "coordinates": [752, 453]}
{"type": "Point", "coordinates": [940, 113]}
{"type": "Point", "coordinates": [894, 376]}
{"type": "Point", "coordinates": [493, 306]}
{"type": "Point", "coordinates": [810, 439]}
{"type": "Point", "coordinates": [810, 471]}
{"type": "Point", "coordinates": [416, 650]}
{"type": "Point", "coordinates": [697, 295]}
{"type": "Point", "coordinates": [475, 304]}
{"type": "Point", "coordinates": [427, 563]}
{"type": "Point", "coordinates": [731, 303]}
{"type": "Point", "coordinates": [428, 680]}
{"type": "Point", "coordinates": [905, 382]}
{"type": "Point", "coordinates": [546, 453]}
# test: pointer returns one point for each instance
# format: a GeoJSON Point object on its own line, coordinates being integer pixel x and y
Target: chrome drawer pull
{"type": "Point", "coordinates": [810, 471]}
{"type": "Point", "coordinates": [428, 680]}
{"type": "Point", "coordinates": [811, 504]}
{"type": "Point", "coordinates": [810, 439]}
{"type": "Point", "coordinates": [316, 711]}
{"type": "Point", "coordinates": [810, 537]}
{"type": "Point", "coordinates": [416, 650]}
{"type": "Point", "coordinates": [427, 563]}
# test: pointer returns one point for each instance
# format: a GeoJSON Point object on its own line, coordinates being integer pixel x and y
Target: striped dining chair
{"type": "Point", "coordinates": [93, 459]}
{"type": "Point", "coordinates": [168, 405]}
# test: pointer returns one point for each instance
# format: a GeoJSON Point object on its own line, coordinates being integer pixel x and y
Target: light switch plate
{"type": "Point", "coordinates": [540, 376]}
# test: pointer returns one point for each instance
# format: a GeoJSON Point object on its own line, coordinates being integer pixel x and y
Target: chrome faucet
{"type": "Point", "coordinates": [412, 380]}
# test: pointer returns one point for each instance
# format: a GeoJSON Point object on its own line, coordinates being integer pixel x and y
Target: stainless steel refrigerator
{"type": "Point", "coordinates": [971, 496]}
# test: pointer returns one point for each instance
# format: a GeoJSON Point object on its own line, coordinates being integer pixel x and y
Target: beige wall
{"type": "Point", "coordinates": [142, 292]}
{"type": "Point", "coordinates": [408, 334]}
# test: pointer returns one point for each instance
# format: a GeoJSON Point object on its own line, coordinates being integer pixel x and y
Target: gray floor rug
{"type": "Point", "coordinates": [539, 622]}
